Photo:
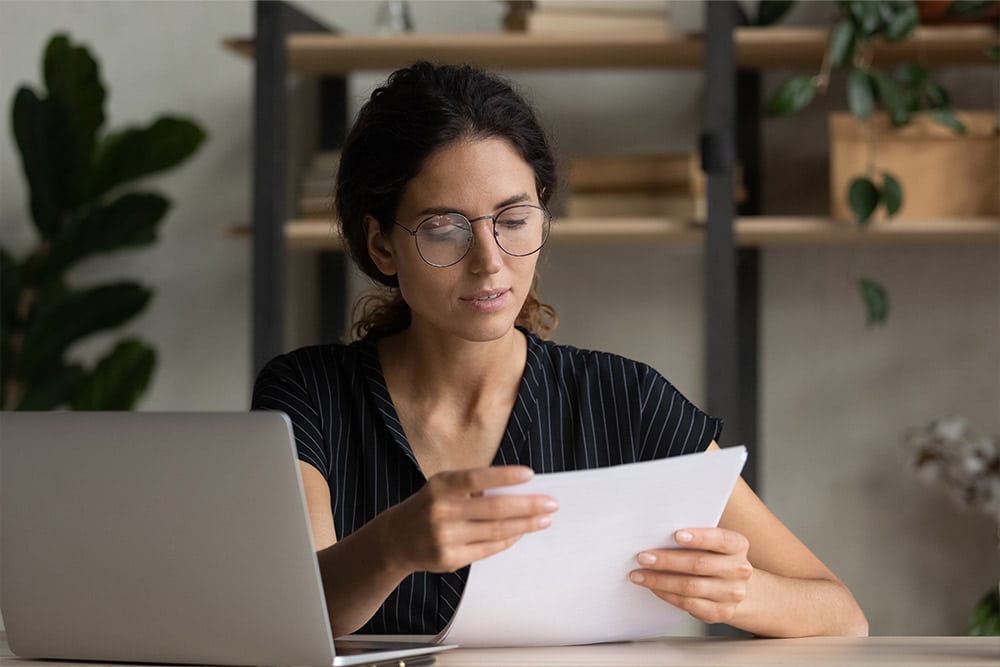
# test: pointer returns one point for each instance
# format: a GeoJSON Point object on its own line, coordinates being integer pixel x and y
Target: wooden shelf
{"type": "Point", "coordinates": [781, 48]}
{"type": "Point", "coordinates": [757, 231]}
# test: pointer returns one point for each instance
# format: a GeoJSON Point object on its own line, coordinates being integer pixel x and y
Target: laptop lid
{"type": "Point", "coordinates": [160, 537]}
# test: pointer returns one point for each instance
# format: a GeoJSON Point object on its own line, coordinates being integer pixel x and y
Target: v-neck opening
{"type": "Point", "coordinates": [516, 431]}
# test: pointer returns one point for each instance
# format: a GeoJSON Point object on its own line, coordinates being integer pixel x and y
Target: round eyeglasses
{"type": "Point", "coordinates": [445, 239]}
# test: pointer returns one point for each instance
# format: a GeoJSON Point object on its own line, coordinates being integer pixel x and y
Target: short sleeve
{"type": "Point", "coordinates": [281, 386]}
{"type": "Point", "coordinates": [670, 424]}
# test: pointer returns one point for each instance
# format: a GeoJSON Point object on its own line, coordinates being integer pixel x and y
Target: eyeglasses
{"type": "Point", "coordinates": [445, 239]}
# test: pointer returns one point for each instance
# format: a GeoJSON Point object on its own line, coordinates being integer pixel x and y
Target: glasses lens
{"type": "Point", "coordinates": [443, 240]}
{"type": "Point", "coordinates": [522, 230]}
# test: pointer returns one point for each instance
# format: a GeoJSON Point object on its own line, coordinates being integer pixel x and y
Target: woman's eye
{"type": "Point", "coordinates": [511, 223]}
{"type": "Point", "coordinates": [442, 227]}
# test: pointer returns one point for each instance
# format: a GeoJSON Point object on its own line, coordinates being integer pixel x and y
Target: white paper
{"type": "Point", "coordinates": [568, 584]}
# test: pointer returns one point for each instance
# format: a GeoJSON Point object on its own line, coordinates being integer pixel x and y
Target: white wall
{"type": "Point", "coordinates": [836, 396]}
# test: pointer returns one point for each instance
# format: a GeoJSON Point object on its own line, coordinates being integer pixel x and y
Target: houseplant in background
{"type": "Point", "coordinates": [901, 94]}
{"type": "Point", "coordinates": [76, 175]}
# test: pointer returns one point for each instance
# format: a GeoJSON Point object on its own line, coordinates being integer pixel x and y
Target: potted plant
{"type": "Point", "coordinates": [901, 94]}
{"type": "Point", "coordinates": [77, 175]}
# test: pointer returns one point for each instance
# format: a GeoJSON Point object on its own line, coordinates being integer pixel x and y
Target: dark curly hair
{"type": "Point", "coordinates": [420, 109]}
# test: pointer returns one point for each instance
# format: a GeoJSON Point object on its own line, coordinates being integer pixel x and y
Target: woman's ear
{"type": "Point", "coordinates": [379, 248]}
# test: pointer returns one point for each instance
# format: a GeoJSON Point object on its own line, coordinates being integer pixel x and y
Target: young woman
{"type": "Point", "coordinates": [451, 388]}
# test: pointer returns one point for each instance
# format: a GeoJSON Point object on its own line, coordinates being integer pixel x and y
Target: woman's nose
{"type": "Point", "coordinates": [485, 256]}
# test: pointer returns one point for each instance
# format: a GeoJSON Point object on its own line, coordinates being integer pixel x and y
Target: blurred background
{"type": "Point", "coordinates": [837, 396]}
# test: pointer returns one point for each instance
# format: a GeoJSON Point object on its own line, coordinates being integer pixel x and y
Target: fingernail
{"type": "Point", "coordinates": [550, 506]}
{"type": "Point", "coordinates": [646, 558]}
{"type": "Point", "coordinates": [683, 536]}
{"type": "Point", "coordinates": [524, 474]}
{"type": "Point", "coordinates": [544, 521]}
{"type": "Point", "coordinates": [637, 577]}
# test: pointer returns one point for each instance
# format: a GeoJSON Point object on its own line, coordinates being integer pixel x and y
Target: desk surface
{"type": "Point", "coordinates": [718, 652]}
{"type": "Point", "coordinates": [708, 652]}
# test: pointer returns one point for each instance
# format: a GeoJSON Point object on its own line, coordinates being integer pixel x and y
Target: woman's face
{"type": "Point", "coordinates": [479, 297]}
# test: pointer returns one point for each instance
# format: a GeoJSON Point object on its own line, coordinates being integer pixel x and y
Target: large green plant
{"type": "Point", "coordinates": [902, 93]}
{"type": "Point", "coordinates": [75, 173]}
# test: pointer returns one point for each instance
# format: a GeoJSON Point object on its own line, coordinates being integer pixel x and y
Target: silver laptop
{"type": "Point", "coordinates": [165, 538]}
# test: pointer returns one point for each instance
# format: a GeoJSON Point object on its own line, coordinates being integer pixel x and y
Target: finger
{"type": "Point", "coordinates": [499, 531]}
{"type": "Point", "coordinates": [718, 540]}
{"type": "Point", "coordinates": [706, 588]}
{"type": "Point", "coordinates": [708, 611]}
{"type": "Point", "coordinates": [509, 506]}
{"type": "Point", "coordinates": [476, 480]}
{"type": "Point", "coordinates": [473, 552]}
{"type": "Point", "coordinates": [699, 563]}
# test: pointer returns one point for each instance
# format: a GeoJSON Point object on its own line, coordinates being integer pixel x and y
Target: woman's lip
{"type": "Point", "coordinates": [484, 295]}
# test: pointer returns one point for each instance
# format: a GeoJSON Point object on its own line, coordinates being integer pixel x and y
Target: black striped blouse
{"type": "Point", "coordinates": [575, 409]}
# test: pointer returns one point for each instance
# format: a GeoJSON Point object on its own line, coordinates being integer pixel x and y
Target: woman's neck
{"type": "Point", "coordinates": [430, 369]}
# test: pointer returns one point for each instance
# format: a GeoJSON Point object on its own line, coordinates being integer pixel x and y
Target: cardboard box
{"type": "Point", "coordinates": [943, 174]}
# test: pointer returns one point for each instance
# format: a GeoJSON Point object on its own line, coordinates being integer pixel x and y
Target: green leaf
{"type": "Point", "coordinates": [911, 74]}
{"type": "Point", "coordinates": [55, 389]}
{"type": "Point", "coordinates": [860, 94]}
{"type": "Point", "coordinates": [937, 97]}
{"type": "Point", "coordinates": [10, 289]}
{"type": "Point", "coordinates": [120, 378]}
{"type": "Point", "coordinates": [73, 76]}
{"type": "Point", "coordinates": [893, 98]}
{"type": "Point", "coordinates": [969, 9]}
{"type": "Point", "coordinates": [863, 197]}
{"type": "Point", "coordinates": [137, 152]}
{"type": "Point", "coordinates": [986, 617]}
{"type": "Point", "coordinates": [75, 315]}
{"type": "Point", "coordinates": [10, 293]}
{"type": "Point", "coordinates": [892, 194]}
{"type": "Point", "coordinates": [867, 16]}
{"type": "Point", "coordinates": [876, 301]}
{"type": "Point", "coordinates": [131, 220]}
{"type": "Point", "coordinates": [770, 12]}
{"type": "Point", "coordinates": [902, 23]}
{"type": "Point", "coordinates": [947, 117]}
{"type": "Point", "coordinates": [842, 43]}
{"type": "Point", "coordinates": [793, 95]}
{"type": "Point", "coordinates": [44, 133]}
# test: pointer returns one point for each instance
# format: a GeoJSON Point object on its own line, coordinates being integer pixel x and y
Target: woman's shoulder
{"type": "Point", "coordinates": [333, 360]}
{"type": "Point", "coordinates": [573, 360]}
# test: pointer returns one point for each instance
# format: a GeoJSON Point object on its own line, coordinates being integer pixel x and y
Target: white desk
{"type": "Point", "coordinates": [708, 652]}
{"type": "Point", "coordinates": [718, 652]}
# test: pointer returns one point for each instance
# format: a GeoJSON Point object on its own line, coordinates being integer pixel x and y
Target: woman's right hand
{"type": "Point", "coordinates": [449, 523]}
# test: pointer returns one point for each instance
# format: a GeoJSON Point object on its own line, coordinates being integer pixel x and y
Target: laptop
{"type": "Point", "coordinates": [164, 538]}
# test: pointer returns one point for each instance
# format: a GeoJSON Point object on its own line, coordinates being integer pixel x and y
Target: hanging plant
{"type": "Point", "coordinates": [902, 93]}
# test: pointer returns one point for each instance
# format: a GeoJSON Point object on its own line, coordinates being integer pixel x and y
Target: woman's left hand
{"type": "Point", "coordinates": [707, 576]}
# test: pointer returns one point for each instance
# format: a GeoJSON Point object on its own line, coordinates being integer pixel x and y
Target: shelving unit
{"type": "Point", "coordinates": [749, 232]}
{"type": "Point", "coordinates": [756, 48]}
{"type": "Point", "coordinates": [731, 56]}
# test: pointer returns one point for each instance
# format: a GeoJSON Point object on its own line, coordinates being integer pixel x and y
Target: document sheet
{"type": "Point", "coordinates": [568, 584]}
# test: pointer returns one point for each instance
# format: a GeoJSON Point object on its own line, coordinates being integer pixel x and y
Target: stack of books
{"type": "Point", "coordinates": [647, 18]}
{"type": "Point", "coordinates": [661, 185]}
{"type": "Point", "coordinates": [314, 199]}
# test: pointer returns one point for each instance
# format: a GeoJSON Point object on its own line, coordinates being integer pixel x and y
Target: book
{"type": "Point", "coordinates": [542, 22]}
{"type": "Point", "coordinates": [666, 172]}
{"type": "Point", "coordinates": [635, 204]}
{"type": "Point", "coordinates": [316, 186]}
{"type": "Point", "coordinates": [617, 7]}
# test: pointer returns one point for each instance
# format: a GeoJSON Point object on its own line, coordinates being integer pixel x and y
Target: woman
{"type": "Point", "coordinates": [441, 195]}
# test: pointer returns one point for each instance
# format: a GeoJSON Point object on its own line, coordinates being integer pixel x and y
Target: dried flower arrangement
{"type": "Point", "coordinates": [947, 452]}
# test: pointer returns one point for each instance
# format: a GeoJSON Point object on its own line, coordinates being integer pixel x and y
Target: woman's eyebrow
{"type": "Point", "coordinates": [444, 210]}
{"type": "Point", "coordinates": [516, 199]}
